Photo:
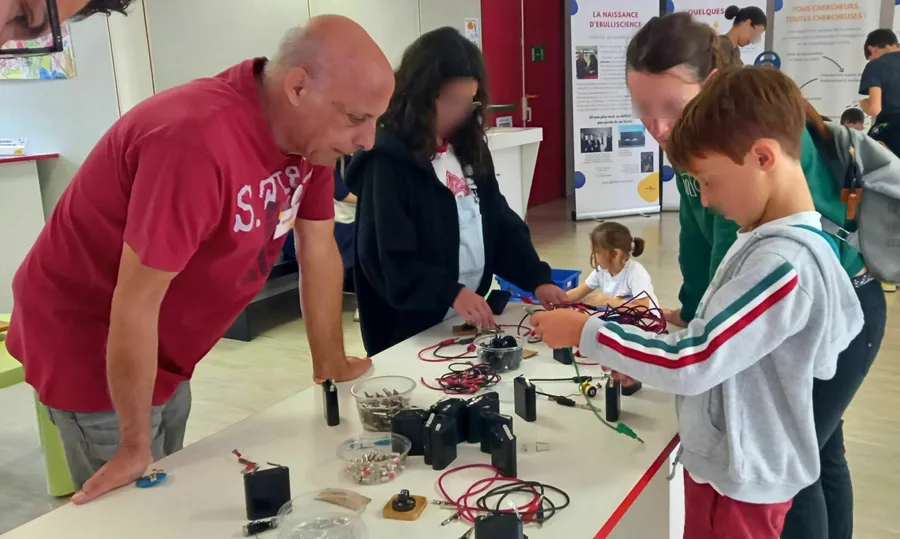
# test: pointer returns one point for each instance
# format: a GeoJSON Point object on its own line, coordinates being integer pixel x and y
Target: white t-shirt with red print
{"type": "Point", "coordinates": [471, 235]}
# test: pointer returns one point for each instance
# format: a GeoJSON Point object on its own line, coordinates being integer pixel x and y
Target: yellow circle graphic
{"type": "Point", "coordinates": [648, 188]}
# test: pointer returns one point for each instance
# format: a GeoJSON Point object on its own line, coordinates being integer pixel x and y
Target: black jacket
{"type": "Point", "coordinates": [407, 243]}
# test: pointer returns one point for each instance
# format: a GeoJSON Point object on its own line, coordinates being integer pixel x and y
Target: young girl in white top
{"type": "Point", "coordinates": [617, 278]}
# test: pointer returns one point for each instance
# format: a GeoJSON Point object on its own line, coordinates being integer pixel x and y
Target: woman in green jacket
{"type": "Point", "coordinates": [667, 62]}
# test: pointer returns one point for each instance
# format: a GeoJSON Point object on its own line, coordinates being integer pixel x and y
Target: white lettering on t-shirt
{"type": "Point", "coordinates": [290, 182]}
{"type": "Point", "coordinates": [267, 190]}
{"type": "Point", "coordinates": [293, 174]}
{"type": "Point", "coordinates": [239, 224]}
{"type": "Point", "coordinates": [690, 184]}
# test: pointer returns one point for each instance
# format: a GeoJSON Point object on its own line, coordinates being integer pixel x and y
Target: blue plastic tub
{"type": "Point", "coordinates": [567, 279]}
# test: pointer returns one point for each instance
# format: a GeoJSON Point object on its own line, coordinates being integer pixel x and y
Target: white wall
{"type": "Point", "coordinates": [64, 116]}
{"type": "Point", "coordinates": [131, 57]}
{"type": "Point", "coordinates": [437, 13]}
{"type": "Point", "coordinates": [393, 24]}
{"type": "Point", "coordinates": [198, 38]}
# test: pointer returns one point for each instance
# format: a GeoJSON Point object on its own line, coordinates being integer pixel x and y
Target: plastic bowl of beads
{"type": "Point", "coordinates": [379, 398]}
{"type": "Point", "coordinates": [374, 458]}
{"type": "Point", "coordinates": [324, 514]}
{"type": "Point", "coordinates": [502, 352]}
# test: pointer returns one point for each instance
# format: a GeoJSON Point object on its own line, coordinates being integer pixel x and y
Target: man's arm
{"type": "Point", "coordinates": [131, 348]}
{"type": "Point", "coordinates": [321, 298]}
{"type": "Point", "coordinates": [174, 203]}
{"type": "Point", "coordinates": [131, 365]}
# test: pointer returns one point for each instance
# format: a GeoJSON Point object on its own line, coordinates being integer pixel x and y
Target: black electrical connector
{"type": "Point", "coordinates": [564, 355]}
{"type": "Point", "coordinates": [330, 404]}
{"type": "Point", "coordinates": [613, 400]}
{"type": "Point", "coordinates": [489, 421]}
{"type": "Point", "coordinates": [487, 402]}
{"type": "Point", "coordinates": [525, 399]}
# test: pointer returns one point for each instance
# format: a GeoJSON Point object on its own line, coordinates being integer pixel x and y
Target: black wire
{"type": "Point", "coordinates": [546, 510]}
{"type": "Point", "coordinates": [531, 339]}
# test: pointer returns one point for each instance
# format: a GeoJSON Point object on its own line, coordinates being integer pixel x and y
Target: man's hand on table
{"type": "Point", "coordinates": [127, 466]}
{"type": "Point", "coordinates": [550, 295]}
{"type": "Point", "coordinates": [350, 369]}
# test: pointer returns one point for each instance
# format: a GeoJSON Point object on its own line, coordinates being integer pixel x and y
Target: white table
{"type": "Point", "coordinates": [21, 215]}
{"type": "Point", "coordinates": [602, 471]}
{"type": "Point", "coordinates": [514, 151]}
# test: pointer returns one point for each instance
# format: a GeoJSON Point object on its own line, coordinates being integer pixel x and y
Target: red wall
{"type": "Point", "coordinates": [544, 25]}
{"type": "Point", "coordinates": [501, 23]}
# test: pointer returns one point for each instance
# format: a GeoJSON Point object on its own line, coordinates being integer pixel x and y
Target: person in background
{"type": "Point", "coordinates": [344, 229]}
{"type": "Point", "coordinates": [617, 277]}
{"type": "Point", "coordinates": [777, 314]}
{"type": "Point", "coordinates": [668, 61]}
{"type": "Point", "coordinates": [581, 71]}
{"type": "Point", "coordinates": [749, 25]}
{"type": "Point", "coordinates": [881, 82]}
{"type": "Point", "coordinates": [853, 118]}
{"type": "Point", "coordinates": [170, 228]}
{"type": "Point", "coordinates": [29, 19]}
{"type": "Point", "coordinates": [432, 228]}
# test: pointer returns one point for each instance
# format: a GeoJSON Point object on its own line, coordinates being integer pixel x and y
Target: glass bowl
{"type": "Point", "coordinates": [501, 358]}
{"type": "Point", "coordinates": [323, 514]}
{"type": "Point", "coordinates": [374, 458]}
{"type": "Point", "coordinates": [379, 398]}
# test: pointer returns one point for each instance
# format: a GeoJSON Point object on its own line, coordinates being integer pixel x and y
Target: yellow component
{"type": "Point", "coordinates": [588, 390]}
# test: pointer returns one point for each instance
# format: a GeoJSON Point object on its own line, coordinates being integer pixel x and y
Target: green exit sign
{"type": "Point", "coordinates": [538, 54]}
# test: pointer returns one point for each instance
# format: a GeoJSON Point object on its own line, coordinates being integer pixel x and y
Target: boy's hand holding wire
{"type": "Point", "coordinates": [560, 328]}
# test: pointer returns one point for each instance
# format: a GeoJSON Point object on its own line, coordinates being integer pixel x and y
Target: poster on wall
{"type": "Point", "coordinates": [712, 12]}
{"type": "Point", "coordinates": [821, 47]}
{"type": "Point", "coordinates": [59, 65]}
{"type": "Point", "coordinates": [616, 160]}
{"type": "Point", "coordinates": [671, 199]}
{"type": "Point", "coordinates": [896, 25]}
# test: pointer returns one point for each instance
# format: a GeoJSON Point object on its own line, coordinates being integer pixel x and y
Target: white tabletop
{"type": "Point", "coordinates": [203, 494]}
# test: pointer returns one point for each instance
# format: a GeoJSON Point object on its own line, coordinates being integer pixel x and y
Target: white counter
{"type": "Point", "coordinates": [21, 216]}
{"type": "Point", "coordinates": [515, 150]}
{"type": "Point", "coordinates": [605, 473]}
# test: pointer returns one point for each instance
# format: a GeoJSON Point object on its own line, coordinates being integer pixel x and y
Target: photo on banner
{"type": "Point", "coordinates": [616, 160]}
{"type": "Point", "coordinates": [820, 43]}
{"type": "Point", "coordinates": [712, 12]}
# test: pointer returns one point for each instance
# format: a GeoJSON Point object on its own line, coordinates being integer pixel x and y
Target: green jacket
{"type": "Point", "coordinates": [706, 236]}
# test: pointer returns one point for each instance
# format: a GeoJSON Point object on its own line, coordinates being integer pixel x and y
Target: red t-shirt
{"type": "Point", "coordinates": [193, 181]}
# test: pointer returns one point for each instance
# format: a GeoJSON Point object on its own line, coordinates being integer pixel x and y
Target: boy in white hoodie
{"type": "Point", "coordinates": [777, 314]}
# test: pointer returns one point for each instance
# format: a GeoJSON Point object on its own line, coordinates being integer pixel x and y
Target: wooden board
{"type": "Point", "coordinates": [4, 326]}
{"type": "Point", "coordinates": [389, 513]}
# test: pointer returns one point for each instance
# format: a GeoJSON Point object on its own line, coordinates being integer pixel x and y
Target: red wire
{"type": "Point", "coordinates": [446, 342]}
{"type": "Point", "coordinates": [466, 511]}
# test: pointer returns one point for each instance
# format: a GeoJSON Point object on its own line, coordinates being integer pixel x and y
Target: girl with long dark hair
{"type": "Point", "coordinates": [432, 226]}
{"type": "Point", "coordinates": [668, 61]}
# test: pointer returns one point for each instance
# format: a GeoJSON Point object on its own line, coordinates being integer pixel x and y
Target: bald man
{"type": "Point", "coordinates": [29, 19]}
{"type": "Point", "coordinates": [170, 228]}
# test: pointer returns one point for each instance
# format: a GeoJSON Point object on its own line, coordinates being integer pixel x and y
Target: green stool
{"type": "Point", "coordinates": [59, 482]}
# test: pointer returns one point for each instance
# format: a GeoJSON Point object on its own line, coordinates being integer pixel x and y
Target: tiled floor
{"type": "Point", "coordinates": [239, 379]}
